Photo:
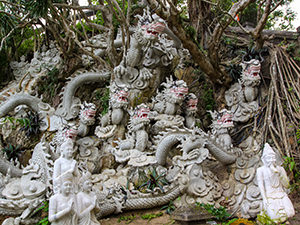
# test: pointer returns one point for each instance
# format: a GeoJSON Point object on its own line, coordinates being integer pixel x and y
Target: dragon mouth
{"type": "Point", "coordinates": [71, 133]}
{"type": "Point", "coordinates": [122, 96]}
{"type": "Point", "coordinates": [180, 92]}
{"type": "Point", "coordinates": [152, 32]}
{"type": "Point", "coordinates": [226, 120]}
{"type": "Point", "coordinates": [154, 29]}
{"type": "Point", "coordinates": [143, 113]}
{"type": "Point", "coordinates": [253, 71]}
{"type": "Point", "coordinates": [90, 113]}
{"type": "Point", "coordinates": [192, 104]}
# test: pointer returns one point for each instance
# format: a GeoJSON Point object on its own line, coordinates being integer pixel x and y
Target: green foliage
{"type": "Point", "coordinates": [234, 71]}
{"type": "Point", "coordinates": [11, 151]}
{"type": "Point", "coordinates": [44, 209]}
{"type": "Point", "coordinates": [128, 219]}
{"type": "Point", "coordinates": [297, 58]}
{"type": "Point", "coordinates": [281, 19]}
{"type": "Point", "coordinates": [290, 165]}
{"type": "Point", "coordinates": [249, 14]}
{"type": "Point", "coordinates": [169, 208]}
{"type": "Point", "coordinates": [151, 216]}
{"type": "Point", "coordinates": [16, 121]}
{"type": "Point", "coordinates": [14, 41]}
{"type": "Point", "coordinates": [208, 98]}
{"type": "Point", "coordinates": [219, 213]}
{"type": "Point", "coordinates": [154, 180]}
{"type": "Point", "coordinates": [31, 124]}
{"type": "Point", "coordinates": [104, 100]}
{"type": "Point", "coordinates": [298, 135]}
{"type": "Point", "coordinates": [37, 8]}
{"type": "Point", "coordinates": [230, 221]}
{"type": "Point", "coordinates": [49, 83]}
{"type": "Point", "coordinates": [43, 221]}
{"type": "Point", "coordinates": [264, 219]}
{"type": "Point", "coordinates": [291, 47]}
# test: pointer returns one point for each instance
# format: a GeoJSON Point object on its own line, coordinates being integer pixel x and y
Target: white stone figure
{"type": "Point", "coordinates": [273, 183]}
{"type": "Point", "coordinates": [65, 164]}
{"type": "Point", "coordinates": [86, 202]}
{"type": "Point", "coordinates": [62, 205]}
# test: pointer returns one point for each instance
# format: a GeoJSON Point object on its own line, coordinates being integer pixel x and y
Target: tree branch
{"type": "Point", "coordinates": [220, 28]}
{"type": "Point", "coordinates": [90, 23]}
{"type": "Point", "coordinates": [78, 7]}
{"type": "Point", "coordinates": [256, 33]}
{"type": "Point", "coordinates": [7, 13]}
{"type": "Point", "coordinates": [17, 27]}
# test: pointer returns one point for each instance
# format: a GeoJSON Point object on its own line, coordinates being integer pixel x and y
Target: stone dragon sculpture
{"type": "Point", "coordinates": [116, 115]}
{"type": "Point", "coordinates": [198, 166]}
{"type": "Point", "coordinates": [137, 130]}
{"type": "Point", "coordinates": [222, 122]}
{"type": "Point", "coordinates": [32, 187]}
{"type": "Point", "coordinates": [70, 106]}
{"type": "Point", "coordinates": [242, 96]}
{"type": "Point", "coordinates": [136, 68]}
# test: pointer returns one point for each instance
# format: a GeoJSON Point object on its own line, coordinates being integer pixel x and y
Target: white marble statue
{"type": "Point", "coordinates": [273, 184]}
{"type": "Point", "coordinates": [86, 202]}
{"type": "Point", "coordinates": [65, 164]}
{"type": "Point", "coordinates": [62, 205]}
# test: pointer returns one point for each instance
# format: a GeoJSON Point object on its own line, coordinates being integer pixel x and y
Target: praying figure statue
{"type": "Point", "coordinates": [273, 184]}
{"type": "Point", "coordinates": [86, 202]}
{"type": "Point", "coordinates": [65, 164]}
{"type": "Point", "coordinates": [62, 204]}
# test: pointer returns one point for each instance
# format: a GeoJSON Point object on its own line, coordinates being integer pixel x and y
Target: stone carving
{"type": "Point", "coordinates": [190, 110]}
{"type": "Point", "coordinates": [34, 103]}
{"type": "Point", "coordinates": [86, 118]}
{"type": "Point", "coordinates": [70, 106]}
{"type": "Point", "coordinates": [137, 130]}
{"type": "Point", "coordinates": [28, 74]}
{"type": "Point", "coordinates": [24, 194]}
{"type": "Point", "coordinates": [116, 114]}
{"type": "Point", "coordinates": [242, 96]}
{"type": "Point", "coordinates": [131, 73]}
{"type": "Point", "coordinates": [19, 67]}
{"type": "Point", "coordinates": [198, 166]}
{"type": "Point", "coordinates": [64, 133]}
{"type": "Point", "coordinates": [88, 151]}
{"type": "Point", "coordinates": [65, 164]}
{"type": "Point", "coordinates": [222, 122]}
{"type": "Point", "coordinates": [169, 101]}
{"type": "Point", "coordinates": [86, 202]}
{"type": "Point", "coordinates": [167, 141]}
{"type": "Point", "coordinates": [273, 185]}
{"type": "Point", "coordinates": [62, 205]}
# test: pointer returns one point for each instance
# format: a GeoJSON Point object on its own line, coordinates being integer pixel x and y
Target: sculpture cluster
{"type": "Point", "coordinates": [156, 142]}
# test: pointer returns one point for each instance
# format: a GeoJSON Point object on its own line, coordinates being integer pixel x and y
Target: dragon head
{"type": "Point", "coordinates": [251, 70]}
{"type": "Point", "coordinates": [119, 98]}
{"type": "Point", "coordinates": [88, 113]}
{"type": "Point", "coordinates": [141, 112]}
{"type": "Point", "coordinates": [222, 119]}
{"type": "Point", "coordinates": [150, 26]}
{"type": "Point", "coordinates": [175, 91]}
{"type": "Point", "coordinates": [152, 30]}
{"type": "Point", "coordinates": [70, 131]}
{"type": "Point", "coordinates": [140, 115]}
{"type": "Point", "coordinates": [190, 103]}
